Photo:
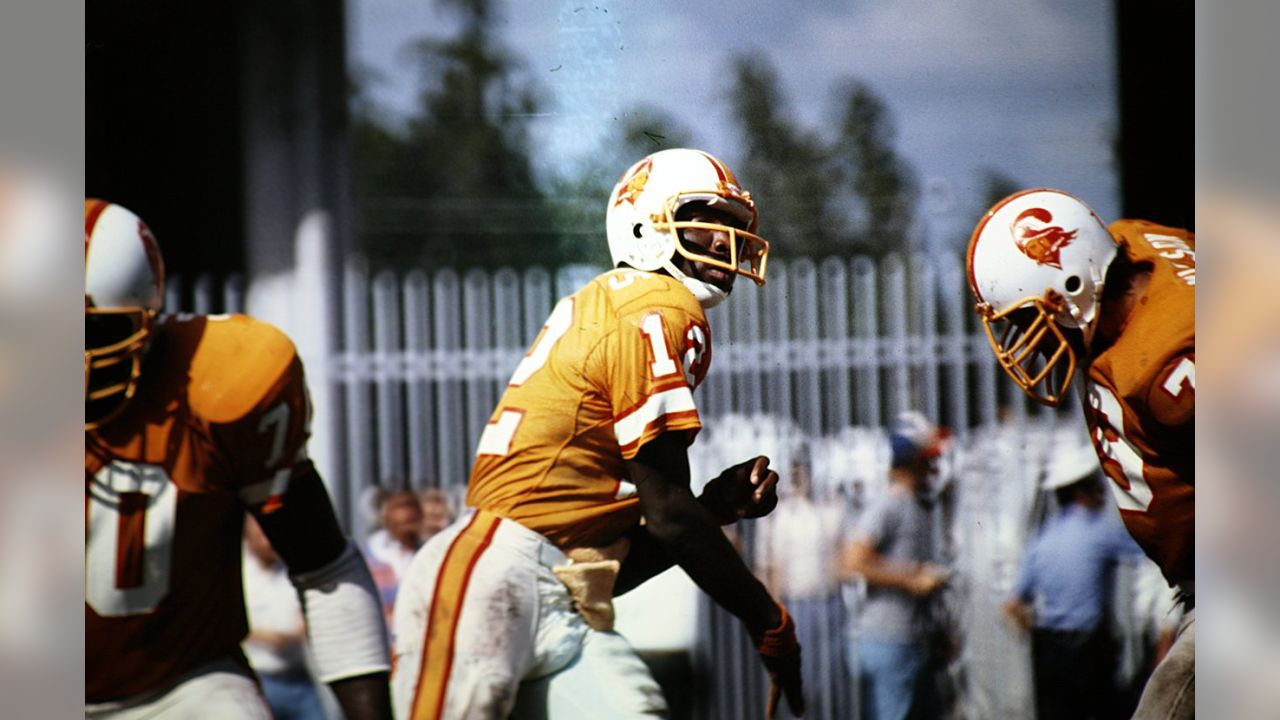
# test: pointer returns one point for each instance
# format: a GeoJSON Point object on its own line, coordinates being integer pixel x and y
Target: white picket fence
{"type": "Point", "coordinates": [405, 369]}
{"type": "Point", "coordinates": [416, 362]}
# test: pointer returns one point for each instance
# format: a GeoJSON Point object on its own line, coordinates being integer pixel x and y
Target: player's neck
{"type": "Point", "coordinates": [1118, 307]}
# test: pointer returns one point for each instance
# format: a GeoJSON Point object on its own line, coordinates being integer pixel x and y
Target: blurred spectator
{"type": "Point", "coordinates": [369, 508]}
{"type": "Point", "coordinates": [437, 512]}
{"type": "Point", "coordinates": [276, 645]}
{"type": "Point", "coordinates": [389, 550]}
{"type": "Point", "coordinates": [893, 550]}
{"type": "Point", "coordinates": [796, 554]}
{"type": "Point", "coordinates": [401, 533]}
{"type": "Point", "coordinates": [1064, 593]}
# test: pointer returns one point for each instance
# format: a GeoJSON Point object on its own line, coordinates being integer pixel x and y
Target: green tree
{"type": "Point", "coordinates": [993, 187]}
{"type": "Point", "coordinates": [580, 198]}
{"type": "Point", "coordinates": [377, 148]}
{"type": "Point", "coordinates": [996, 186]}
{"type": "Point", "coordinates": [456, 183]}
{"type": "Point", "coordinates": [882, 184]}
{"type": "Point", "coordinates": [782, 164]}
{"type": "Point", "coordinates": [844, 193]}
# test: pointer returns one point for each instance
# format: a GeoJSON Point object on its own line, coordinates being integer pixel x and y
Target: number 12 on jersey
{"type": "Point", "coordinates": [499, 434]}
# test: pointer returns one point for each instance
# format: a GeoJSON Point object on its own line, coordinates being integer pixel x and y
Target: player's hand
{"type": "Point", "coordinates": [780, 653]}
{"type": "Point", "coordinates": [746, 490]}
{"type": "Point", "coordinates": [784, 680]}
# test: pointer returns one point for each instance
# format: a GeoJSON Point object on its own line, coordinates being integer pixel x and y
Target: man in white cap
{"type": "Point", "coordinates": [893, 550]}
{"type": "Point", "coordinates": [1064, 590]}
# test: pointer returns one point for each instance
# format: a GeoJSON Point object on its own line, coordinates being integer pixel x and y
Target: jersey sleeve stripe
{"type": "Point", "coordinates": [631, 427]}
{"type": "Point", "coordinates": [674, 383]}
{"type": "Point", "coordinates": [671, 421]}
{"type": "Point", "coordinates": [499, 434]}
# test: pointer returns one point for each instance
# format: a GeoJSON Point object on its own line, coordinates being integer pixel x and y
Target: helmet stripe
{"type": "Point", "coordinates": [153, 254]}
{"type": "Point", "coordinates": [721, 171]}
{"type": "Point", "coordinates": [123, 236]}
{"type": "Point", "coordinates": [973, 246]}
{"type": "Point", "coordinates": [92, 211]}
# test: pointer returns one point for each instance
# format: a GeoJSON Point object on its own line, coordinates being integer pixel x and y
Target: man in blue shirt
{"type": "Point", "coordinates": [1064, 591]}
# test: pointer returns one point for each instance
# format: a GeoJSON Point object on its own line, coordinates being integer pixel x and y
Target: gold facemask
{"type": "Point", "coordinates": [107, 385]}
{"type": "Point", "coordinates": [1019, 345]}
{"type": "Point", "coordinates": [748, 252]}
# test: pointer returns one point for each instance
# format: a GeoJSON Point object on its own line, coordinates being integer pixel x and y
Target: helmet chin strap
{"type": "Point", "coordinates": [708, 295]}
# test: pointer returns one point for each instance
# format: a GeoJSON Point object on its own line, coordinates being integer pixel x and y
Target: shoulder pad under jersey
{"type": "Point", "coordinates": [240, 364]}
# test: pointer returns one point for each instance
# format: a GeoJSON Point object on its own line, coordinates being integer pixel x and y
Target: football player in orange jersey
{"type": "Point", "coordinates": [190, 421]}
{"type": "Point", "coordinates": [1059, 290]}
{"type": "Point", "coordinates": [581, 483]}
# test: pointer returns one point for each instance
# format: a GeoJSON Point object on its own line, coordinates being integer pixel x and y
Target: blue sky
{"type": "Point", "coordinates": [1025, 87]}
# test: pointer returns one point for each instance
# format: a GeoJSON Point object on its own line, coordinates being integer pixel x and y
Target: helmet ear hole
{"type": "Point", "coordinates": [635, 230]}
{"type": "Point", "coordinates": [1073, 284]}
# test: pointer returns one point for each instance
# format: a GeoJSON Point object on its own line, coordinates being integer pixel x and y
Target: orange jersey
{"type": "Point", "coordinates": [218, 423]}
{"type": "Point", "coordinates": [613, 368]}
{"type": "Point", "coordinates": [1140, 400]}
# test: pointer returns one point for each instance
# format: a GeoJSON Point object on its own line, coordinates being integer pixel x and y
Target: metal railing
{"type": "Point", "coordinates": [828, 351]}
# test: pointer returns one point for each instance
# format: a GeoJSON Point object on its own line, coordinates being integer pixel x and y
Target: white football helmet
{"type": "Point", "coordinates": [1037, 262]}
{"type": "Point", "coordinates": [644, 234]}
{"type": "Point", "coordinates": [123, 295]}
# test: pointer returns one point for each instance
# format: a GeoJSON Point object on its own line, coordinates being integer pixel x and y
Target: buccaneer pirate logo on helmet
{"type": "Point", "coordinates": [634, 182]}
{"type": "Point", "coordinates": [1038, 242]}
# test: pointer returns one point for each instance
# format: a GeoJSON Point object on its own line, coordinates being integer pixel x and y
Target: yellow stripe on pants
{"type": "Point", "coordinates": [446, 608]}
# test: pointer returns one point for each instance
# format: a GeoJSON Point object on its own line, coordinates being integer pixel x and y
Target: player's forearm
{"type": "Point", "coordinates": [365, 697]}
{"type": "Point", "coordinates": [693, 538]}
{"type": "Point", "coordinates": [645, 559]}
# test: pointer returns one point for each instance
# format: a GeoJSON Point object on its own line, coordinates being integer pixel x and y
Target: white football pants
{"type": "Point", "coordinates": [484, 629]}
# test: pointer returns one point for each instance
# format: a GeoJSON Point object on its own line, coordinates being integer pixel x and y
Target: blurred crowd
{"type": "Point", "coordinates": [872, 563]}
{"type": "Point", "coordinates": [929, 581]}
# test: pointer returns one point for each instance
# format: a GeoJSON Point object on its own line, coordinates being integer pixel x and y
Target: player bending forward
{"type": "Point", "coordinates": [191, 420]}
{"type": "Point", "coordinates": [581, 485]}
{"type": "Point", "coordinates": [1057, 289]}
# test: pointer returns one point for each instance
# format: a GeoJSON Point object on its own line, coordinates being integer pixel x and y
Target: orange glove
{"type": "Point", "coordinates": [780, 653]}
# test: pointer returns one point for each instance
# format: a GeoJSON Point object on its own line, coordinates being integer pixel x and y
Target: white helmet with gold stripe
{"type": "Point", "coordinates": [643, 230]}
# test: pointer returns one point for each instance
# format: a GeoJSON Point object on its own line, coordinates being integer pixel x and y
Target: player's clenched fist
{"type": "Point", "coordinates": [746, 490]}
